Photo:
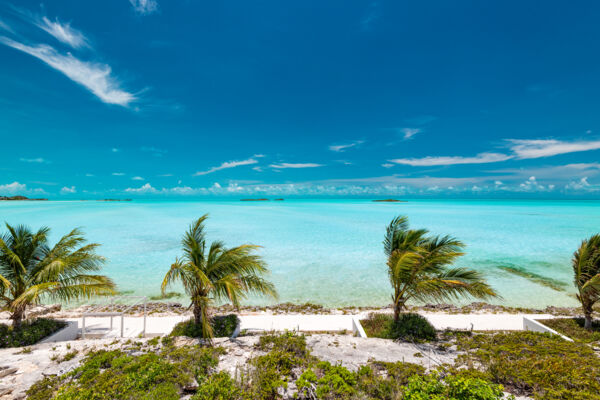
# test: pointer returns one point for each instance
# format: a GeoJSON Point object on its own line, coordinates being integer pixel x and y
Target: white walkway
{"type": "Point", "coordinates": [133, 326]}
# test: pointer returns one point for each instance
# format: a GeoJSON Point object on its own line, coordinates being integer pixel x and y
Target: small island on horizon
{"type": "Point", "coordinates": [389, 201]}
{"type": "Point", "coordinates": [17, 198]}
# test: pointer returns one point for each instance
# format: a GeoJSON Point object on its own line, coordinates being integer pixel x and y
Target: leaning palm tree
{"type": "Point", "coordinates": [31, 270]}
{"type": "Point", "coordinates": [586, 268]}
{"type": "Point", "coordinates": [418, 267]}
{"type": "Point", "coordinates": [217, 274]}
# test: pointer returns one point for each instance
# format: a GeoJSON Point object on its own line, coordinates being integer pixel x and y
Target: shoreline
{"type": "Point", "coordinates": [172, 308]}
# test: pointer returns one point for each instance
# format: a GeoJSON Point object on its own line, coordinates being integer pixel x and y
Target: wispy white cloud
{"type": "Point", "coordinates": [5, 26]}
{"type": "Point", "coordinates": [409, 132]}
{"type": "Point", "coordinates": [387, 165]}
{"type": "Point", "coordinates": [118, 174]}
{"type": "Point", "coordinates": [97, 78]}
{"type": "Point", "coordinates": [68, 190]}
{"type": "Point", "coordinates": [231, 164]}
{"type": "Point", "coordinates": [296, 165]}
{"type": "Point", "coordinates": [526, 149]}
{"type": "Point", "coordinates": [343, 147]}
{"type": "Point", "coordinates": [63, 32]}
{"type": "Point", "coordinates": [482, 158]}
{"type": "Point", "coordinates": [137, 178]}
{"type": "Point", "coordinates": [557, 173]}
{"type": "Point", "coordinates": [144, 7]}
{"type": "Point", "coordinates": [38, 160]}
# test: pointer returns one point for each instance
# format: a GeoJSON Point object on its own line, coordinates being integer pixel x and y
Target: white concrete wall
{"type": "Point", "coordinates": [357, 328]}
{"type": "Point", "coordinates": [69, 332]}
{"type": "Point", "coordinates": [529, 324]}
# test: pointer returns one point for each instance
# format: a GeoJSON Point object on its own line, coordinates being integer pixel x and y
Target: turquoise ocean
{"type": "Point", "coordinates": [330, 251]}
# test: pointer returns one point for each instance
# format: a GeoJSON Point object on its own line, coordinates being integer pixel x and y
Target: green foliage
{"type": "Point", "coordinates": [106, 375]}
{"type": "Point", "coordinates": [385, 380]}
{"type": "Point", "coordinates": [164, 373]}
{"type": "Point", "coordinates": [272, 370]}
{"type": "Point", "coordinates": [29, 332]}
{"type": "Point", "coordinates": [533, 364]}
{"type": "Point", "coordinates": [418, 267]}
{"type": "Point", "coordinates": [31, 270]}
{"type": "Point", "coordinates": [219, 386]}
{"type": "Point", "coordinates": [331, 381]}
{"type": "Point", "coordinates": [410, 327]}
{"type": "Point", "coordinates": [574, 328]}
{"type": "Point", "coordinates": [586, 271]}
{"type": "Point", "coordinates": [44, 389]}
{"type": "Point", "coordinates": [215, 272]}
{"type": "Point", "coordinates": [432, 387]}
{"type": "Point", "coordinates": [222, 326]}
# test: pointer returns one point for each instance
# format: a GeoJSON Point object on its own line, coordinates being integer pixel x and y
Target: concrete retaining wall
{"type": "Point", "coordinates": [535, 326]}
{"type": "Point", "coordinates": [69, 332]}
{"type": "Point", "coordinates": [357, 328]}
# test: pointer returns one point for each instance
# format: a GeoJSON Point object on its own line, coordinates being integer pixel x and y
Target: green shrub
{"type": "Point", "coordinates": [30, 332]}
{"type": "Point", "coordinates": [411, 327]}
{"type": "Point", "coordinates": [271, 371]}
{"type": "Point", "coordinates": [112, 375]}
{"type": "Point", "coordinates": [432, 387]}
{"type": "Point", "coordinates": [331, 381]}
{"type": "Point", "coordinates": [573, 328]}
{"type": "Point", "coordinates": [540, 365]}
{"type": "Point", "coordinates": [289, 342]}
{"type": "Point", "coordinates": [44, 389]}
{"type": "Point", "coordinates": [377, 325]}
{"type": "Point", "coordinates": [106, 375]}
{"type": "Point", "coordinates": [223, 326]}
{"type": "Point", "coordinates": [218, 386]}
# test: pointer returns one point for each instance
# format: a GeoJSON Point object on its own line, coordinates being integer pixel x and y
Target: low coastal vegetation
{"type": "Point", "coordinates": [221, 325]}
{"type": "Point", "coordinates": [574, 329]}
{"type": "Point", "coordinates": [285, 368]}
{"type": "Point", "coordinates": [409, 327]}
{"type": "Point", "coordinates": [215, 272]}
{"type": "Point", "coordinates": [162, 372]}
{"type": "Point", "coordinates": [29, 332]}
{"type": "Point", "coordinates": [542, 366]}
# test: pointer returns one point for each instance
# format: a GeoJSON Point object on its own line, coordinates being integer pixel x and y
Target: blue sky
{"type": "Point", "coordinates": [149, 98]}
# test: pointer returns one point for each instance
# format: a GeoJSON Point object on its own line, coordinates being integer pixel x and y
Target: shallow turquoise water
{"type": "Point", "coordinates": [330, 251]}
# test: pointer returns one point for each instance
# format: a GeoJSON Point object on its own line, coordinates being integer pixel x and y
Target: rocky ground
{"type": "Point", "coordinates": [24, 366]}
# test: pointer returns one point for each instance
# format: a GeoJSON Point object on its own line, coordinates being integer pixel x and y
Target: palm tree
{"type": "Point", "coordinates": [418, 267]}
{"type": "Point", "coordinates": [219, 274]}
{"type": "Point", "coordinates": [31, 270]}
{"type": "Point", "coordinates": [586, 268]}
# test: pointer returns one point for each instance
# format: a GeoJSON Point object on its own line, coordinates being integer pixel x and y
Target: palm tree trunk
{"type": "Point", "coordinates": [197, 314]}
{"type": "Point", "coordinates": [397, 310]}
{"type": "Point", "coordinates": [587, 312]}
{"type": "Point", "coordinates": [17, 317]}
